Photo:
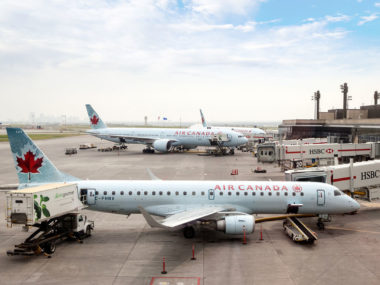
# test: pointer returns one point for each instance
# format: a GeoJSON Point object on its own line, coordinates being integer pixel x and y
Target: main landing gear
{"type": "Point", "coordinates": [322, 218]}
{"type": "Point", "coordinates": [148, 150]}
{"type": "Point", "coordinates": [189, 232]}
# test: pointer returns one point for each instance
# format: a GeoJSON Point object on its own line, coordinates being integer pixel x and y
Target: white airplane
{"type": "Point", "coordinates": [252, 134]}
{"type": "Point", "coordinates": [164, 139]}
{"type": "Point", "coordinates": [227, 205]}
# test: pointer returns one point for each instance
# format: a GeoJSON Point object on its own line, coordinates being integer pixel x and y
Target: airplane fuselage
{"type": "Point", "coordinates": [163, 198]}
{"type": "Point", "coordinates": [188, 138]}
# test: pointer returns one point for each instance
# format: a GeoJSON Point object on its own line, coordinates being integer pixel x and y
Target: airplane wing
{"type": "Point", "coordinates": [184, 217]}
{"type": "Point", "coordinates": [146, 140]}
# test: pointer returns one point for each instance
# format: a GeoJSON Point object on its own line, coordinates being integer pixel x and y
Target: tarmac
{"type": "Point", "coordinates": [125, 250]}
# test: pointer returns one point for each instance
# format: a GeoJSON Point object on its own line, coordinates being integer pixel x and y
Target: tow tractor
{"type": "Point", "coordinates": [53, 210]}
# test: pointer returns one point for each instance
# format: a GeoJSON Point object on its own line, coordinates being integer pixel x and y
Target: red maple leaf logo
{"type": "Point", "coordinates": [29, 164]}
{"type": "Point", "coordinates": [94, 120]}
{"type": "Point", "coordinates": [297, 188]}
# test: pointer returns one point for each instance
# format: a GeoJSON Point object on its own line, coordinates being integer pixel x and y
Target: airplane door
{"type": "Point", "coordinates": [320, 197]}
{"type": "Point", "coordinates": [211, 194]}
{"type": "Point", "coordinates": [91, 198]}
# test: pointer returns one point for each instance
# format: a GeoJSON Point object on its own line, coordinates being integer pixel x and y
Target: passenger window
{"type": "Point", "coordinates": [168, 193]}
{"type": "Point", "coordinates": [121, 192]}
{"type": "Point", "coordinates": [337, 193]}
{"type": "Point", "coordinates": [184, 193]}
{"type": "Point", "coordinates": [154, 193]}
{"type": "Point", "coordinates": [96, 192]}
{"type": "Point", "coordinates": [229, 193]}
{"type": "Point", "coordinates": [221, 193]}
{"type": "Point", "coordinates": [160, 193]}
{"type": "Point", "coordinates": [262, 193]}
{"type": "Point", "coordinates": [245, 193]}
{"type": "Point", "coordinates": [294, 194]}
{"type": "Point", "coordinates": [286, 193]}
{"type": "Point", "coordinates": [145, 193]}
{"type": "Point", "coordinates": [202, 193]}
{"type": "Point", "coordinates": [176, 193]}
{"type": "Point", "coordinates": [237, 193]}
{"type": "Point", "coordinates": [193, 193]}
{"type": "Point", "coordinates": [278, 193]}
{"type": "Point", "coordinates": [130, 193]}
{"type": "Point", "coordinates": [113, 192]}
{"type": "Point", "coordinates": [253, 193]}
{"type": "Point", "coordinates": [138, 193]}
{"type": "Point", "coordinates": [105, 192]}
{"type": "Point", "coordinates": [302, 193]}
{"type": "Point", "coordinates": [270, 193]}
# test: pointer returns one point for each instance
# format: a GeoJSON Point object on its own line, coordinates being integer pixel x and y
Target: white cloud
{"type": "Point", "coordinates": [377, 4]}
{"type": "Point", "coordinates": [220, 7]}
{"type": "Point", "coordinates": [366, 19]}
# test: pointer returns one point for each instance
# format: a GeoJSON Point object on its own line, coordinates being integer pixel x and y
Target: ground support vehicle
{"type": "Point", "coordinates": [298, 231]}
{"type": "Point", "coordinates": [53, 210]}
{"type": "Point", "coordinates": [73, 226]}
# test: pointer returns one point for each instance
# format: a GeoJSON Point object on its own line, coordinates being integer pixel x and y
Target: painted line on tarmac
{"type": "Point", "coordinates": [353, 230]}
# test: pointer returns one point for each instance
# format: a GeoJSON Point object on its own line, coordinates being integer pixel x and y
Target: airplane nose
{"type": "Point", "coordinates": [356, 205]}
{"type": "Point", "coordinates": [245, 140]}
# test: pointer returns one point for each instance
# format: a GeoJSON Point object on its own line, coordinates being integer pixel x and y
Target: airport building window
{"type": "Point", "coordinates": [202, 193]}
{"type": "Point", "coordinates": [237, 193]}
{"type": "Point", "coordinates": [121, 192]}
{"type": "Point", "coordinates": [286, 193]}
{"type": "Point", "coordinates": [145, 193]}
{"type": "Point", "coordinates": [245, 193]}
{"type": "Point", "coordinates": [138, 193]}
{"type": "Point", "coordinates": [294, 193]}
{"type": "Point", "coordinates": [262, 193]}
{"type": "Point", "coordinates": [193, 193]}
{"type": "Point", "coordinates": [229, 193]}
{"type": "Point", "coordinates": [130, 193]}
{"type": "Point", "coordinates": [184, 193]}
{"type": "Point", "coordinates": [154, 193]}
{"type": "Point", "coordinates": [160, 193]}
{"type": "Point", "coordinates": [105, 192]}
{"type": "Point", "coordinates": [113, 193]}
{"type": "Point", "coordinates": [177, 193]}
{"type": "Point", "coordinates": [168, 193]}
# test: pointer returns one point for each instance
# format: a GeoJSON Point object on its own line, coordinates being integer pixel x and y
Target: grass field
{"type": "Point", "coordinates": [4, 138]}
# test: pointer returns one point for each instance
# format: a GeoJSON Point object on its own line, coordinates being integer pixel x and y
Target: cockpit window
{"type": "Point", "coordinates": [337, 193]}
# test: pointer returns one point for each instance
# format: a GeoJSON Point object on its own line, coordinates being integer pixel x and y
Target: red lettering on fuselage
{"type": "Point", "coordinates": [251, 187]}
{"type": "Point", "coordinates": [231, 187]}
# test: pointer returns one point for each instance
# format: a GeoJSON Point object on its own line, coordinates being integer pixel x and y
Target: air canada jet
{"type": "Point", "coordinates": [226, 205]}
{"type": "Point", "coordinates": [164, 139]}
{"type": "Point", "coordinates": [252, 134]}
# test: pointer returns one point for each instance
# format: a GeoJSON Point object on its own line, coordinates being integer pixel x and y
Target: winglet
{"type": "Point", "coordinates": [151, 175]}
{"type": "Point", "coordinates": [150, 220]}
{"type": "Point", "coordinates": [204, 124]}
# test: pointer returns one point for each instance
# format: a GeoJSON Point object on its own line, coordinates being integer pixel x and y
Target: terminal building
{"type": "Point", "coordinates": [338, 125]}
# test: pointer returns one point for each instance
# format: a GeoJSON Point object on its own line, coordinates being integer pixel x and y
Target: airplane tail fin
{"type": "Point", "coordinates": [96, 122]}
{"type": "Point", "coordinates": [203, 119]}
{"type": "Point", "coordinates": [32, 165]}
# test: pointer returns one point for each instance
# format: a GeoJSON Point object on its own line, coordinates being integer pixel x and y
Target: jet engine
{"type": "Point", "coordinates": [162, 145]}
{"type": "Point", "coordinates": [235, 225]}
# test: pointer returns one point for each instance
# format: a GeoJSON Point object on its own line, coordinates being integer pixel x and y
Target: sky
{"type": "Point", "coordinates": [238, 60]}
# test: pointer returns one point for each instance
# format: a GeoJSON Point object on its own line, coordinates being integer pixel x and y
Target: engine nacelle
{"type": "Point", "coordinates": [162, 145]}
{"type": "Point", "coordinates": [235, 225]}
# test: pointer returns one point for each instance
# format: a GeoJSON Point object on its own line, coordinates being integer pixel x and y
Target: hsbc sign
{"type": "Point", "coordinates": [321, 151]}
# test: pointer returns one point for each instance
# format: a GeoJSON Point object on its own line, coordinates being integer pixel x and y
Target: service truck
{"type": "Point", "coordinates": [53, 210]}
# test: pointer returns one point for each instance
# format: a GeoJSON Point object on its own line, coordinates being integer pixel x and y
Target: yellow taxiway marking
{"type": "Point", "coordinates": [353, 230]}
